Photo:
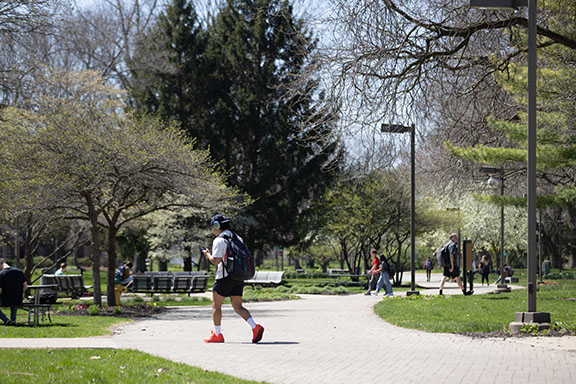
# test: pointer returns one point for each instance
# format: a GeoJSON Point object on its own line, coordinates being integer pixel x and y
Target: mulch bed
{"type": "Point", "coordinates": [505, 334]}
{"type": "Point", "coordinates": [128, 311]}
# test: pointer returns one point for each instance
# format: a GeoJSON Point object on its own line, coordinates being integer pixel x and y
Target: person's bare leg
{"type": "Point", "coordinates": [236, 302]}
{"type": "Point", "coordinates": [459, 282]}
{"type": "Point", "coordinates": [216, 334]}
{"type": "Point", "coordinates": [257, 329]}
{"type": "Point", "coordinates": [217, 301]}
{"type": "Point", "coordinates": [442, 283]}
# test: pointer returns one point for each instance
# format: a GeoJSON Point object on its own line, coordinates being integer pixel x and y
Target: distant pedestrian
{"type": "Point", "coordinates": [428, 267]}
{"type": "Point", "coordinates": [385, 271]}
{"type": "Point", "coordinates": [452, 270]}
{"type": "Point", "coordinates": [224, 285]}
{"type": "Point", "coordinates": [13, 285]}
{"type": "Point", "coordinates": [374, 275]}
{"type": "Point", "coordinates": [484, 267]}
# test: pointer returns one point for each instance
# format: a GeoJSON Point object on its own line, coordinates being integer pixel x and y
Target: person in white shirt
{"type": "Point", "coordinates": [62, 269]}
{"type": "Point", "coordinates": [224, 286]}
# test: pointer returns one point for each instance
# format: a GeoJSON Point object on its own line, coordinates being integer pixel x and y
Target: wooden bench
{"type": "Point", "coordinates": [167, 282]}
{"type": "Point", "coordinates": [337, 272]}
{"type": "Point", "coordinates": [266, 278]}
{"type": "Point", "coordinates": [72, 285]}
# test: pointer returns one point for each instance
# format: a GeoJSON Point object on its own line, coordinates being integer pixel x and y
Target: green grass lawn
{"type": "Point", "coordinates": [477, 313]}
{"type": "Point", "coordinates": [99, 366]}
{"type": "Point", "coordinates": [64, 326]}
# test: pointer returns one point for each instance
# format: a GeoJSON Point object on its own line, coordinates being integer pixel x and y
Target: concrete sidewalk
{"type": "Point", "coordinates": [334, 339]}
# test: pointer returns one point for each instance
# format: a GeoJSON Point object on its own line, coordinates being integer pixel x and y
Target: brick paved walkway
{"type": "Point", "coordinates": [334, 339]}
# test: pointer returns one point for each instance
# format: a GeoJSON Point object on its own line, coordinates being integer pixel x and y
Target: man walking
{"type": "Point", "coordinates": [12, 287]}
{"type": "Point", "coordinates": [452, 270]}
{"type": "Point", "coordinates": [224, 285]}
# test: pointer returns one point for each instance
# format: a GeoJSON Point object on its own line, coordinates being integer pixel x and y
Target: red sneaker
{"type": "Point", "coordinates": [214, 339]}
{"type": "Point", "coordinates": [257, 333]}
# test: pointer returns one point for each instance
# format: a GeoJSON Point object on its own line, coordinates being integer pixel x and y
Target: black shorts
{"type": "Point", "coordinates": [228, 287]}
{"type": "Point", "coordinates": [454, 273]}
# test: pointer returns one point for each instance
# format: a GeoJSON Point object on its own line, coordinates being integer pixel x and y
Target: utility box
{"type": "Point", "coordinates": [467, 272]}
{"type": "Point", "coordinates": [467, 251]}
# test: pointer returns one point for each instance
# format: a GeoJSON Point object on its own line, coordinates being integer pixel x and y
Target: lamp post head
{"type": "Point", "coordinates": [396, 128]}
{"type": "Point", "coordinates": [491, 171]}
{"type": "Point", "coordinates": [498, 4]}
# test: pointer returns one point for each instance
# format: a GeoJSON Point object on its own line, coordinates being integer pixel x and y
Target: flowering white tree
{"type": "Point", "coordinates": [78, 150]}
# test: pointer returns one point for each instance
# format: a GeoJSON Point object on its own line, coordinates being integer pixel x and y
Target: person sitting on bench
{"type": "Point", "coordinates": [13, 285]}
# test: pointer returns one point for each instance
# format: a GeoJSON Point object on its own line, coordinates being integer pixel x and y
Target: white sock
{"type": "Point", "coordinates": [217, 329]}
{"type": "Point", "coordinates": [251, 322]}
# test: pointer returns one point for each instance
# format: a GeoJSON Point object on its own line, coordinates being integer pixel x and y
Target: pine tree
{"type": "Point", "coordinates": [260, 130]}
{"type": "Point", "coordinates": [168, 67]}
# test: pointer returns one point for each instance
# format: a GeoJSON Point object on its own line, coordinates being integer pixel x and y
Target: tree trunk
{"type": "Point", "coordinates": [112, 231]}
{"type": "Point", "coordinates": [140, 261]}
{"type": "Point", "coordinates": [28, 257]}
{"type": "Point", "coordinates": [188, 264]}
{"type": "Point", "coordinates": [95, 249]}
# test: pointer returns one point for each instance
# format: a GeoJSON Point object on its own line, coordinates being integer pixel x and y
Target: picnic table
{"type": "Point", "coordinates": [34, 307]}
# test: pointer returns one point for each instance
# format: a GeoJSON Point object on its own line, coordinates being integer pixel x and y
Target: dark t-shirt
{"type": "Point", "coordinates": [12, 284]}
{"type": "Point", "coordinates": [453, 249]}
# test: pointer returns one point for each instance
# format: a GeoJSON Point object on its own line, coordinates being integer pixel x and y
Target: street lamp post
{"type": "Point", "coordinates": [396, 128]}
{"type": "Point", "coordinates": [543, 318]}
{"type": "Point", "coordinates": [492, 171]}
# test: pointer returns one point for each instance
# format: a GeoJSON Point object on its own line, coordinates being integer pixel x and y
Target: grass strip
{"type": "Point", "coordinates": [64, 326]}
{"type": "Point", "coordinates": [99, 366]}
{"type": "Point", "coordinates": [477, 313]}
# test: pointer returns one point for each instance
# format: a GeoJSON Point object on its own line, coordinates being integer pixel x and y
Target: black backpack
{"type": "Point", "coordinates": [443, 255]}
{"type": "Point", "coordinates": [240, 261]}
{"type": "Point", "coordinates": [48, 297]}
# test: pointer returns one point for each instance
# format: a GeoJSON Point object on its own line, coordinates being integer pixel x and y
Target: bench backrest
{"type": "Point", "coordinates": [182, 282]}
{"type": "Point", "coordinates": [275, 276]}
{"type": "Point", "coordinates": [141, 283]}
{"type": "Point", "coordinates": [162, 283]}
{"type": "Point", "coordinates": [199, 282]}
{"type": "Point", "coordinates": [76, 282]}
{"type": "Point", "coordinates": [49, 280]}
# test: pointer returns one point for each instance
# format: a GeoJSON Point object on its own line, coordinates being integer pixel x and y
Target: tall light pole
{"type": "Point", "coordinates": [531, 315]}
{"type": "Point", "coordinates": [499, 182]}
{"type": "Point", "coordinates": [396, 128]}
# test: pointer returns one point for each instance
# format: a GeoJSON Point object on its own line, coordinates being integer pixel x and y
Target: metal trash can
{"type": "Point", "coordinates": [546, 267]}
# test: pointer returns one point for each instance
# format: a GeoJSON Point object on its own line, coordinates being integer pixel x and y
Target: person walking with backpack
{"type": "Point", "coordinates": [428, 266]}
{"type": "Point", "coordinates": [385, 271]}
{"type": "Point", "coordinates": [451, 269]}
{"type": "Point", "coordinates": [225, 285]}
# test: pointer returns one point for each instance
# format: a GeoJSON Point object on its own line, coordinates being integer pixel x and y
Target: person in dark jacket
{"type": "Point", "coordinates": [13, 285]}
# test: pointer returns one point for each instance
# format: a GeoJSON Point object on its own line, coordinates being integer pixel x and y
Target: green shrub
{"type": "Point", "coordinates": [307, 275]}
{"type": "Point", "coordinates": [530, 328]}
{"type": "Point", "coordinates": [94, 310]}
{"type": "Point", "coordinates": [553, 276]}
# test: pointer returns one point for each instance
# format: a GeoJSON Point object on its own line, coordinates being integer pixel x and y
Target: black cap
{"type": "Point", "coordinates": [220, 219]}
